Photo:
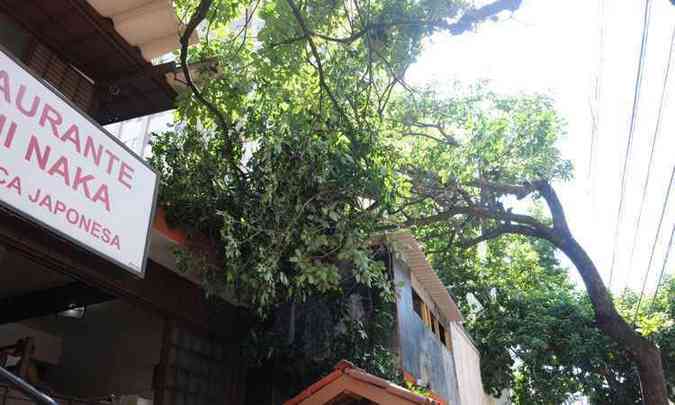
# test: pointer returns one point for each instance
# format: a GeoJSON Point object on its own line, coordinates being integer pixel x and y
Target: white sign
{"type": "Point", "coordinates": [65, 172]}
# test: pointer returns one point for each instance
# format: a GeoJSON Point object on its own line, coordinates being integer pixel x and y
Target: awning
{"type": "Point", "coordinates": [73, 33]}
{"type": "Point", "coordinates": [150, 25]}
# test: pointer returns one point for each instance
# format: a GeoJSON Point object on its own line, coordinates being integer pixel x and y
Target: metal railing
{"type": "Point", "coordinates": [26, 388]}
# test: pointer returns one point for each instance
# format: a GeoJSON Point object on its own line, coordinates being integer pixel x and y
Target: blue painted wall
{"type": "Point", "coordinates": [422, 353]}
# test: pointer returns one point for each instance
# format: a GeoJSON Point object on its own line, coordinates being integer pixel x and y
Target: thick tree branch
{"type": "Point", "coordinates": [519, 191]}
{"type": "Point", "coordinates": [506, 229]}
{"type": "Point", "coordinates": [479, 212]}
{"type": "Point", "coordinates": [554, 205]}
{"type": "Point", "coordinates": [471, 18]}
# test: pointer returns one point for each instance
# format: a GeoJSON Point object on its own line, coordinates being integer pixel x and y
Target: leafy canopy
{"type": "Point", "coordinates": [319, 144]}
{"type": "Point", "coordinates": [292, 176]}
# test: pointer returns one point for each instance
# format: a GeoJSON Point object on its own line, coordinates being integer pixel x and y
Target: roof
{"type": "Point", "coordinates": [410, 248]}
{"type": "Point", "coordinates": [130, 18]}
{"type": "Point", "coordinates": [348, 382]}
{"type": "Point", "coordinates": [127, 85]}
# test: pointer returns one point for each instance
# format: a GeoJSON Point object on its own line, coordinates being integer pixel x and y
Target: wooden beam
{"type": "Point", "coordinates": [139, 74]}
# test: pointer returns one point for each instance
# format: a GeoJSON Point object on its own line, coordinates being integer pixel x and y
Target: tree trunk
{"type": "Point", "coordinates": [643, 352]}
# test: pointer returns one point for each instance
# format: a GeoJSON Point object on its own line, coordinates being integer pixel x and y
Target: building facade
{"type": "Point", "coordinates": [436, 355]}
{"type": "Point", "coordinates": [85, 317]}
{"type": "Point", "coordinates": [435, 350]}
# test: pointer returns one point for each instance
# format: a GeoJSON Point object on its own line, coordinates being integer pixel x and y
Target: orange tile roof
{"type": "Point", "coordinates": [354, 376]}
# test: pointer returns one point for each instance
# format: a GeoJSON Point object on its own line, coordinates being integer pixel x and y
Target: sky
{"type": "Point", "coordinates": [559, 48]}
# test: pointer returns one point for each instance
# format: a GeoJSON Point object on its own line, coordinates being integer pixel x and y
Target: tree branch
{"type": "Point", "coordinates": [319, 66]}
{"type": "Point", "coordinates": [465, 23]}
{"type": "Point", "coordinates": [520, 191]}
{"type": "Point", "coordinates": [554, 205]}
{"type": "Point", "coordinates": [506, 229]}
{"type": "Point", "coordinates": [197, 17]}
{"type": "Point", "coordinates": [433, 138]}
{"type": "Point", "coordinates": [479, 212]}
{"type": "Point", "coordinates": [448, 139]}
{"type": "Point", "coordinates": [473, 17]}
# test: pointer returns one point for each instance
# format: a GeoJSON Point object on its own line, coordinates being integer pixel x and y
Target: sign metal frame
{"type": "Point", "coordinates": [136, 272]}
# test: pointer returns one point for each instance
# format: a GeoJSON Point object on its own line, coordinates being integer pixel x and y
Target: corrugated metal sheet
{"type": "Point", "coordinates": [422, 353]}
{"type": "Point", "coordinates": [405, 244]}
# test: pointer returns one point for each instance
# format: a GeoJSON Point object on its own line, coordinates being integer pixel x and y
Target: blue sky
{"type": "Point", "coordinates": [555, 47]}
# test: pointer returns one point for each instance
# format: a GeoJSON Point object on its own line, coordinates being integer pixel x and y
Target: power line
{"type": "Point", "coordinates": [597, 87]}
{"type": "Point", "coordinates": [663, 267]}
{"type": "Point", "coordinates": [657, 131]}
{"type": "Point", "coordinates": [631, 131]}
{"type": "Point", "coordinates": [656, 238]}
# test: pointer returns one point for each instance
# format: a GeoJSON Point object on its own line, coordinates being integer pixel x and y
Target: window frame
{"type": "Point", "coordinates": [430, 320]}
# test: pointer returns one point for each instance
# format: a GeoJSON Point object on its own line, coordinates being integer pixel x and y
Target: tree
{"type": "Point", "coordinates": [475, 154]}
{"type": "Point", "coordinates": [307, 84]}
{"type": "Point", "coordinates": [313, 89]}
{"type": "Point", "coordinates": [278, 157]}
{"type": "Point", "coordinates": [535, 330]}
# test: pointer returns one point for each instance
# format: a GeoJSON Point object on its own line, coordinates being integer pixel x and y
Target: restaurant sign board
{"type": "Point", "coordinates": [60, 169]}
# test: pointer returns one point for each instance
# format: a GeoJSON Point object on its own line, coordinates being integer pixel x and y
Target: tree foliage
{"type": "Point", "coordinates": [469, 176]}
{"type": "Point", "coordinates": [536, 331]}
{"type": "Point", "coordinates": [299, 140]}
{"type": "Point", "coordinates": [300, 90]}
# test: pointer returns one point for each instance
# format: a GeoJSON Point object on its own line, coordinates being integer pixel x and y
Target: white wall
{"type": "Point", "coordinates": [135, 133]}
{"type": "Point", "coordinates": [467, 364]}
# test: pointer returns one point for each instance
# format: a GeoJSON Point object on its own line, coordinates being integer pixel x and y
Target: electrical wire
{"type": "Point", "coordinates": [597, 89]}
{"type": "Point", "coordinates": [663, 267]}
{"type": "Point", "coordinates": [657, 131]}
{"type": "Point", "coordinates": [656, 238]}
{"type": "Point", "coordinates": [631, 131]}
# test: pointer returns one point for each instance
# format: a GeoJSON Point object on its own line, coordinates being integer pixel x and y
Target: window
{"type": "Point", "coordinates": [47, 64]}
{"type": "Point", "coordinates": [417, 304]}
{"type": "Point", "coordinates": [434, 324]}
{"type": "Point", "coordinates": [430, 320]}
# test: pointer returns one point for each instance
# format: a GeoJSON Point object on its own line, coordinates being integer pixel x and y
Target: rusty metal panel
{"type": "Point", "coordinates": [422, 353]}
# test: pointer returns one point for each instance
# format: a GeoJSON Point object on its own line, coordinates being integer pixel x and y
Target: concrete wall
{"type": "Point", "coordinates": [422, 353]}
